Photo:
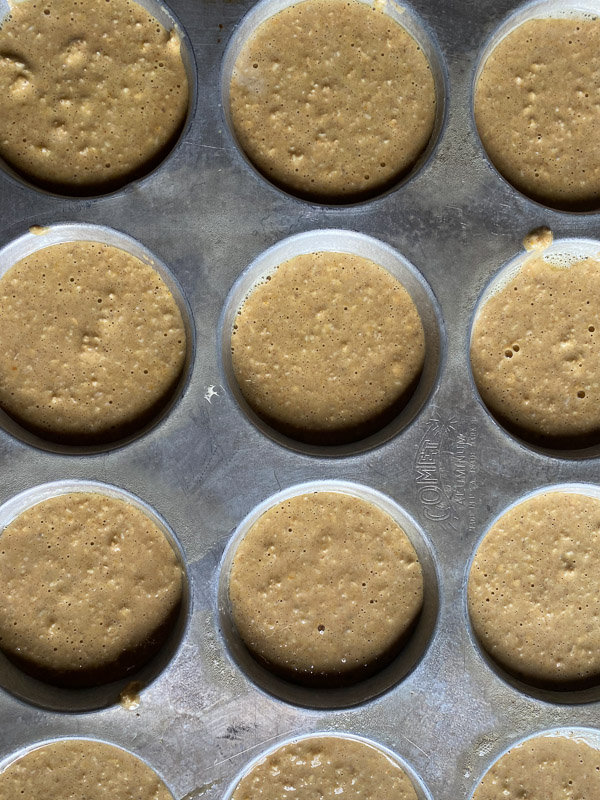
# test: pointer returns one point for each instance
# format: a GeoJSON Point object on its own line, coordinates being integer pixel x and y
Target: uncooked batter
{"type": "Point", "coordinates": [90, 589]}
{"type": "Point", "coordinates": [534, 590]}
{"type": "Point", "coordinates": [329, 348]}
{"type": "Point", "coordinates": [93, 93]}
{"type": "Point", "coordinates": [93, 343]}
{"type": "Point", "coordinates": [547, 767]}
{"type": "Point", "coordinates": [537, 110]}
{"type": "Point", "coordinates": [325, 588]}
{"type": "Point", "coordinates": [326, 767]}
{"type": "Point", "coordinates": [332, 99]}
{"type": "Point", "coordinates": [79, 769]}
{"type": "Point", "coordinates": [535, 355]}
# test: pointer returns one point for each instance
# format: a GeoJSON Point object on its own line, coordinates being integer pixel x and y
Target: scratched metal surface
{"type": "Point", "coordinates": [207, 216]}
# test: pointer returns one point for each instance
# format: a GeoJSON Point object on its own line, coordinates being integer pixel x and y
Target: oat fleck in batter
{"type": "Point", "coordinates": [332, 99]}
{"type": "Point", "coordinates": [329, 348]}
{"type": "Point", "coordinates": [92, 92]}
{"type": "Point", "coordinates": [90, 588]}
{"type": "Point", "coordinates": [93, 343]}
{"type": "Point", "coordinates": [325, 588]}
{"type": "Point", "coordinates": [79, 769]}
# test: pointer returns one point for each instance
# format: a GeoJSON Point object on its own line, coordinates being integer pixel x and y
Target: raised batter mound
{"type": "Point", "coordinates": [332, 100]}
{"type": "Point", "coordinates": [548, 767]}
{"type": "Point", "coordinates": [534, 591]}
{"type": "Point", "coordinates": [537, 111]}
{"type": "Point", "coordinates": [90, 589]}
{"type": "Point", "coordinates": [535, 355]}
{"type": "Point", "coordinates": [80, 770]}
{"type": "Point", "coordinates": [325, 767]}
{"type": "Point", "coordinates": [328, 349]}
{"type": "Point", "coordinates": [325, 588]}
{"type": "Point", "coordinates": [93, 343]}
{"type": "Point", "coordinates": [93, 93]}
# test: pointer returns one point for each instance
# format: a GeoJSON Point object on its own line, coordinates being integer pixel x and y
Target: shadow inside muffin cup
{"type": "Point", "coordinates": [132, 429]}
{"type": "Point", "coordinates": [402, 14]}
{"type": "Point", "coordinates": [65, 692]}
{"type": "Point", "coordinates": [161, 12]}
{"type": "Point", "coordinates": [335, 690]}
{"type": "Point", "coordinates": [393, 419]}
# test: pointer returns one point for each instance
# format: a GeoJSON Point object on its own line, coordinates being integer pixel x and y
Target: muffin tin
{"type": "Point", "coordinates": [205, 466]}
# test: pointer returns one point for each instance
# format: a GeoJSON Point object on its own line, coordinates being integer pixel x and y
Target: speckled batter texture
{"type": "Point", "coordinates": [535, 355]}
{"type": "Point", "coordinates": [90, 589]}
{"type": "Point", "coordinates": [329, 348]}
{"type": "Point", "coordinates": [537, 109]}
{"type": "Point", "coordinates": [332, 99]}
{"type": "Point", "coordinates": [325, 768]}
{"type": "Point", "coordinates": [534, 590]}
{"type": "Point", "coordinates": [80, 770]}
{"type": "Point", "coordinates": [325, 588]}
{"type": "Point", "coordinates": [93, 343]}
{"type": "Point", "coordinates": [544, 768]}
{"type": "Point", "coordinates": [93, 93]}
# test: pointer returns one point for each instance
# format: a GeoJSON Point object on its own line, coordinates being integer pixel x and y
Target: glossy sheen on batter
{"type": "Point", "coordinates": [535, 354]}
{"type": "Point", "coordinates": [537, 109]}
{"type": "Point", "coordinates": [325, 588]}
{"type": "Point", "coordinates": [90, 588]}
{"type": "Point", "coordinates": [332, 99]}
{"type": "Point", "coordinates": [548, 768]}
{"type": "Point", "coordinates": [92, 92]}
{"type": "Point", "coordinates": [329, 348]}
{"type": "Point", "coordinates": [80, 770]}
{"type": "Point", "coordinates": [534, 590]}
{"type": "Point", "coordinates": [93, 343]}
{"type": "Point", "coordinates": [326, 768]}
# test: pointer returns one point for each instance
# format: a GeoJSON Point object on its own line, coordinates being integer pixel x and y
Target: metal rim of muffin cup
{"type": "Point", "coordinates": [402, 13]}
{"type": "Point", "coordinates": [29, 748]}
{"type": "Point", "coordinates": [35, 692]}
{"type": "Point", "coordinates": [554, 696]}
{"type": "Point", "coordinates": [359, 244]}
{"type": "Point", "coordinates": [535, 9]}
{"type": "Point", "coordinates": [389, 676]}
{"type": "Point", "coordinates": [568, 247]}
{"type": "Point", "coordinates": [60, 233]}
{"type": "Point", "coordinates": [419, 786]}
{"type": "Point", "coordinates": [589, 736]}
{"type": "Point", "coordinates": [168, 19]}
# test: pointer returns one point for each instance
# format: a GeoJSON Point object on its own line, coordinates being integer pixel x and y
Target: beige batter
{"type": "Point", "coordinates": [332, 99]}
{"type": "Point", "coordinates": [325, 768]}
{"type": "Point", "coordinates": [537, 109]}
{"type": "Point", "coordinates": [93, 343]}
{"type": "Point", "coordinates": [548, 768]}
{"type": "Point", "coordinates": [78, 769]}
{"type": "Point", "coordinates": [534, 590]}
{"type": "Point", "coordinates": [90, 589]}
{"type": "Point", "coordinates": [535, 356]}
{"type": "Point", "coordinates": [93, 93]}
{"type": "Point", "coordinates": [329, 348]}
{"type": "Point", "coordinates": [325, 588]}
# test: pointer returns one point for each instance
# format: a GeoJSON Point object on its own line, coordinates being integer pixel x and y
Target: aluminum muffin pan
{"type": "Point", "coordinates": [207, 215]}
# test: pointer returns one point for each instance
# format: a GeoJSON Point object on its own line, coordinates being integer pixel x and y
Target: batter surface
{"type": "Point", "coordinates": [326, 767]}
{"type": "Point", "coordinates": [90, 589]}
{"type": "Point", "coordinates": [93, 343]}
{"type": "Point", "coordinates": [534, 590]}
{"type": "Point", "coordinates": [537, 109]}
{"type": "Point", "coordinates": [332, 99]}
{"type": "Point", "coordinates": [548, 768]}
{"type": "Point", "coordinates": [80, 770]}
{"type": "Point", "coordinates": [93, 93]}
{"type": "Point", "coordinates": [535, 355]}
{"type": "Point", "coordinates": [328, 349]}
{"type": "Point", "coordinates": [325, 588]}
